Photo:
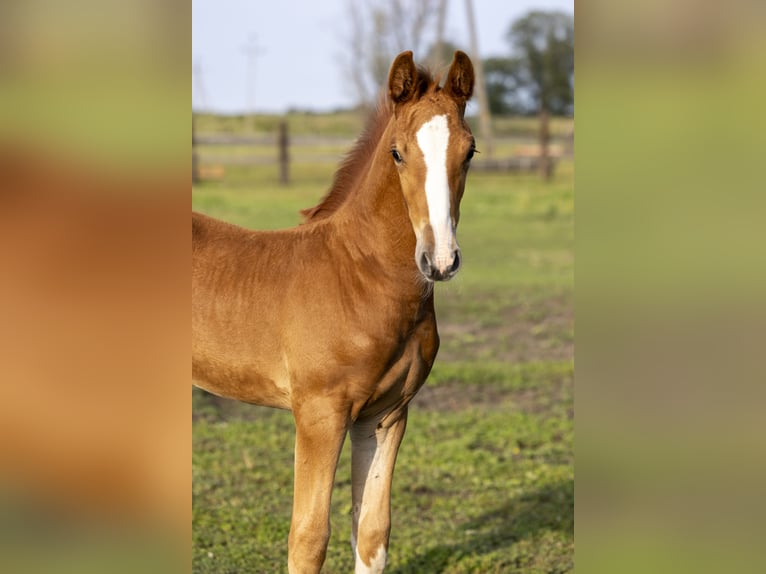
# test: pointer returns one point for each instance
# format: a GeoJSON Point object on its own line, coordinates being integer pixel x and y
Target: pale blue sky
{"type": "Point", "coordinates": [301, 42]}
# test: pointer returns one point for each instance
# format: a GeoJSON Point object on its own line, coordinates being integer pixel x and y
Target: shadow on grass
{"type": "Point", "coordinates": [547, 509]}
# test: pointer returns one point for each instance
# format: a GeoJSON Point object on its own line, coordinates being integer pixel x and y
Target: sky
{"type": "Point", "coordinates": [299, 45]}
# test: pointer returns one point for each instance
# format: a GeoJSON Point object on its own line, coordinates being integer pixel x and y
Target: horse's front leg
{"type": "Point", "coordinates": [320, 432]}
{"type": "Point", "coordinates": [373, 455]}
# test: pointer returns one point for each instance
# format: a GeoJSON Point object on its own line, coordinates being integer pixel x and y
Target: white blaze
{"type": "Point", "coordinates": [433, 138]}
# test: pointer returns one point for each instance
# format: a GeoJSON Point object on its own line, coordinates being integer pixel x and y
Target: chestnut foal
{"type": "Point", "coordinates": [334, 320]}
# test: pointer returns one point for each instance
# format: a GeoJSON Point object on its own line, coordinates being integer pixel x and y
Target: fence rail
{"type": "Point", "coordinates": [213, 151]}
{"type": "Point", "coordinates": [270, 140]}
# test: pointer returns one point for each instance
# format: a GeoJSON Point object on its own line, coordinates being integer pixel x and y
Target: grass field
{"type": "Point", "coordinates": [485, 477]}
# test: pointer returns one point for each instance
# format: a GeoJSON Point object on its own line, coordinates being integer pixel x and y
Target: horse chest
{"type": "Point", "coordinates": [394, 377]}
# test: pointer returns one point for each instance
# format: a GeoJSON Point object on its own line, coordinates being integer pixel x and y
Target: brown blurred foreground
{"type": "Point", "coordinates": [94, 303]}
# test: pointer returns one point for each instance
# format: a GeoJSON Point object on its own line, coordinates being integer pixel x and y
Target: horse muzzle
{"type": "Point", "coordinates": [439, 267]}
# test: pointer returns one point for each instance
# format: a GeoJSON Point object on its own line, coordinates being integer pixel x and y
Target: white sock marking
{"type": "Point", "coordinates": [433, 138]}
{"type": "Point", "coordinates": [376, 566]}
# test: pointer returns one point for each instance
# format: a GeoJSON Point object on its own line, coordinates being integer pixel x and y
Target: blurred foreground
{"type": "Point", "coordinates": [94, 432]}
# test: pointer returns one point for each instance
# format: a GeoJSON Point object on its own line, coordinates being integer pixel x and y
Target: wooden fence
{"type": "Point", "coordinates": [213, 153]}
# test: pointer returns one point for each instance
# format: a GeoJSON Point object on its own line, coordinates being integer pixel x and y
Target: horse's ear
{"type": "Point", "coordinates": [402, 79]}
{"type": "Point", "coordinates": [460, 78]}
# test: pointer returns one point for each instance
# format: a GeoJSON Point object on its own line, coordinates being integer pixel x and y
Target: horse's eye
{"type": "Point", "coordinates": [397, 156]}
{"type": "Point", "coordinates": [469, 155]}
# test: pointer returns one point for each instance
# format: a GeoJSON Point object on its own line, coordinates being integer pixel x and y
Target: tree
{"type": "Point", "coordinates": [539, 74]}
{"type": "Point", "coordinates": [505, 90]}
{"type": "Point", "coordinates": [439, 54]}
{"type": "Point", "coordinates": [377, 31]}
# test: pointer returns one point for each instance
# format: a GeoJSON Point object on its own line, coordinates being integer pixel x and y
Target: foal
{"type": "Point", "coordinates": [334, 319]}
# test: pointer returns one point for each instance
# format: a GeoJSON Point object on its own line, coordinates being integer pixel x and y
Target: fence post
{"type": "Point", "coordinates": [195, 157]}
{"type": "Point", "coordinates": [545, 166]}
{"type": "Point", "coordinates": [284, 156]}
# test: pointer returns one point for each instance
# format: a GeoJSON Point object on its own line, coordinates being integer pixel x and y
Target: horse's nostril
{"type": "Point", "coordinates": [455, 262]}
{"type": "Point", "coordinates": [425, 261]}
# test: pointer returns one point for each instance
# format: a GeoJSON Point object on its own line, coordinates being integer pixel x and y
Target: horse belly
{"type": "Point", "coordinates": [243, 384]}
{"type": "Point", "coordinates": [240, 373]}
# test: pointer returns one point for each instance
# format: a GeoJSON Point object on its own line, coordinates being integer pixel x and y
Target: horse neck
{"type": "Point", "coordinates": [376, 220]}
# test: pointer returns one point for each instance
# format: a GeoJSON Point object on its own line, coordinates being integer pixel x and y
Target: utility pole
{"type": "Point", "coordinates": [485, 124]}
{"type": "Point", "coordinates": [252, 51]}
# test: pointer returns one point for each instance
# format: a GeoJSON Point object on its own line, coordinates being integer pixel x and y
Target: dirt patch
{"type": "Point", "coordinates": [539, 331]}
{"type": "Point", "coordinates": [458, 396]}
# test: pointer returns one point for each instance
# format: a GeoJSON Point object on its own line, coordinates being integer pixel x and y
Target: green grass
{"type": "Point", "coordinates": [485, 476]}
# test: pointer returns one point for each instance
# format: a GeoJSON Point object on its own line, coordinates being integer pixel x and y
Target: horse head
{"type": "Point", "coordinates": [432, 146]}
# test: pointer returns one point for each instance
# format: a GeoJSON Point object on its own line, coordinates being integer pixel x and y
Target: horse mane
{"type": "Point", "coordinates": [353, 165]}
